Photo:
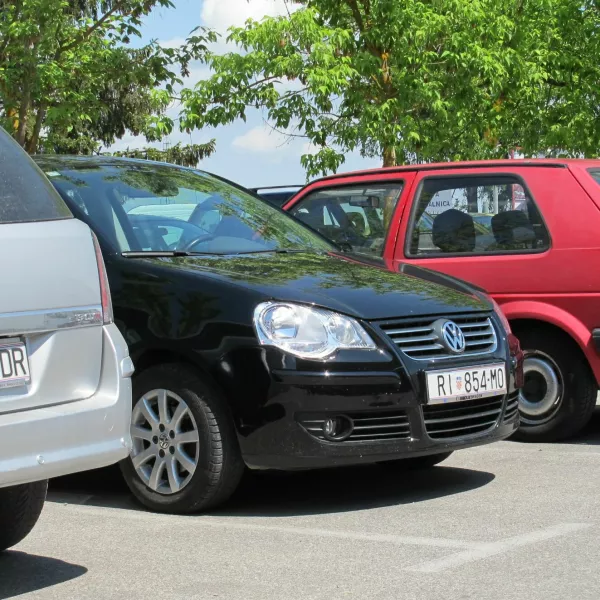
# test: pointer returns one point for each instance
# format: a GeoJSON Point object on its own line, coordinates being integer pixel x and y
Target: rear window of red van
{"type": "Point", "coordinates": [595, 173]}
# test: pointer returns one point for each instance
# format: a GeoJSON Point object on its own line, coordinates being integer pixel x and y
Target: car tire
{"type": "Point", "coordinates": [552, 361]}
{"type": "Point", "coordinates": [417, 462]}
{"type": "Point", "coordinates": [20, 509]}
{"type": "Point", "coordinates": [218, 462]}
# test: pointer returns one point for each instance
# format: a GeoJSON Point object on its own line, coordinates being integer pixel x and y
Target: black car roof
{"type": "Point", "coordinates": [70, 161]}
{"type": "Point", "coordinates": [73, 161]}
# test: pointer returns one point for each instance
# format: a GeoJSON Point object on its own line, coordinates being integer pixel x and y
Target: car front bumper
{"type": "Point", "coordinates": [389, 421]}
{"type": "Point", "coordinates": [77, 436]}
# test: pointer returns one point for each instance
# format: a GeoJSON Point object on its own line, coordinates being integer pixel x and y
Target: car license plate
{"type": "Point", "coordinates": [466, 384]}
{"type": "Point", "coordinates": [14, 365]}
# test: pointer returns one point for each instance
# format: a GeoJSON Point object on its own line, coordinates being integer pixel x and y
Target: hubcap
{"type": "Point", "coordinates": [166, 443]}
{"type": "Point", "coordinates": [542, 395]}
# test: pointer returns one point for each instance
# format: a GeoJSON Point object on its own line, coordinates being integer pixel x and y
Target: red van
{"type": "Point", "coordinates": [525, 230]}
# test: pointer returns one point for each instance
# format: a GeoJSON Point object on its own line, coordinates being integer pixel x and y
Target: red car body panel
{"type": "Point", "coordinates": [559, 286]}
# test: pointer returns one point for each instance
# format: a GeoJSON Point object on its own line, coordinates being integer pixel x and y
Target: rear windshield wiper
{"type": "Point", "coordinates": [160, 253]}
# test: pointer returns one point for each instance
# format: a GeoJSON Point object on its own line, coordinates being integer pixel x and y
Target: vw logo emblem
{"type": "Point", "coordinates": [163, 441]}
{"type": "Point", "coordinates": [452, 337]}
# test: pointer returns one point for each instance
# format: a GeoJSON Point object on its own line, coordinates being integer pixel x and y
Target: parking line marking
{"type": "Point", "coordinates": [190, 521]}
{"type": "Point", "coordinates": [481, 551]}
{"type": "Point", "coordinates": [398, 540]}
{"type": "Point", "coordinates": [470, 551]}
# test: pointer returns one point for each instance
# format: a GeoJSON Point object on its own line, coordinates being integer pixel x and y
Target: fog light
{"type": "Point", "coordinates": [338, 428]}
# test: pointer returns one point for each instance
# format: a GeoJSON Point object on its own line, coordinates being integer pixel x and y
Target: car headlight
{"type": "Point", "coordinates": [308, 332]}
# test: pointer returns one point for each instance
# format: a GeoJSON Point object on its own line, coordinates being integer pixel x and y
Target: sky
{"type": "Point", "coordinates": [249, 153]}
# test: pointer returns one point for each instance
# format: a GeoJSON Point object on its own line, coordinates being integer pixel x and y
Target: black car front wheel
{"type": "Point", "coordinates": [417, 462]}
{"type": "Point", "coordinates": [560, 390]}
{"type": "Point", "coordinates": [185, 455]}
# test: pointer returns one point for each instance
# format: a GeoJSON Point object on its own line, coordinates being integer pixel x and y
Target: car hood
{"type": "Point", "coordinates": [367, 290]}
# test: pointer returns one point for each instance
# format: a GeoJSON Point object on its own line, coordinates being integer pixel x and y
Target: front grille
{"type": "Point", "coordinates": [368, 426]}
{"type": "Point", "coordinates": [460, 419]}
{"type": "Point", "coordinates": [512, 407]}
{"type": "Point", "coordinates": [417, 339]}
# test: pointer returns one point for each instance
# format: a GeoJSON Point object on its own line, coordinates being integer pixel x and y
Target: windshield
{"type": "Point", "coordinates": [155, 208]}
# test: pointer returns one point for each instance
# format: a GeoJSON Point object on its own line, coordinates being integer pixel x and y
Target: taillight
{"type": "Point", "coordinates": [107, 311]}
{"type": "Point", "coordinates": [518, 357]}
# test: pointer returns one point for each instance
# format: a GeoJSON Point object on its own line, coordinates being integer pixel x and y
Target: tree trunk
{"type": "Point", "coordinates": [23, 112]}
{"type": "Point", "coordinates": [389, 156]}
{"type": "Point", "coordinates": [24, 109]}
{"type": "Point", "coordinates": [33, 142]}
{"type": "Point", "coordinates": [472, 200]}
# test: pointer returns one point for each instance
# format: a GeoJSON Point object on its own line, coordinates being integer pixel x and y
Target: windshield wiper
{"type": "Point", "coordinates": [161, 253]}
{"type": "Point", "coordinates": [176, 253]}
{"type": "Point", "coordinates": [280, 251]}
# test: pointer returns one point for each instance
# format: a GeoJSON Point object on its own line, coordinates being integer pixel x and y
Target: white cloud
{"type": "Point", "coordinates": [198, 72]}
{"type": "Point", "coordinates": [172, 43]}
{"type": "Point", "coordinates": [309, 148]}
{"type": "Point", "coordinates": [261, 139]}
{"type": "Point", "coordinates": [222, 14]}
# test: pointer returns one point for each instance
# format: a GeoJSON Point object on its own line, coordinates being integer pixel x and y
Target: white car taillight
{"type": "Point", "coordinates": [107, 311]}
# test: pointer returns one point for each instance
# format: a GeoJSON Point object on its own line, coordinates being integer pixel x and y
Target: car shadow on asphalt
{"type": "Point", "coordinates": [345, 489]}
{"type": "Point", "coordinates": [22, 573]}
{"type": "Point", "coordinates": [292, 494]}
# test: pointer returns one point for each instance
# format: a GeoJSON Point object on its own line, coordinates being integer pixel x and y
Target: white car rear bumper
{"type": "Point", "coordinates": [76, 436]}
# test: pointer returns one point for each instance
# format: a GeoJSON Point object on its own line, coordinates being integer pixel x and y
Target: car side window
{"type": "Point", "coordinates": [356, 216]}
{"type": "Point", "coordinates": [475, 215]}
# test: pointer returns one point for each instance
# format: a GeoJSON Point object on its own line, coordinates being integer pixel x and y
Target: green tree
{"type": "Point", "coordinates": [184, 155]}
{"type": "Point", "coordinates": [559, 115]}
{"type": "Point", "coordinates": [69, 75]}
{"type": "Point", "coordinates": [407, 81]}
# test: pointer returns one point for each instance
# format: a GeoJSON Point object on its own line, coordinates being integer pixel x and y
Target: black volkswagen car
{"type": "Point", "coordinates": [256, 342]}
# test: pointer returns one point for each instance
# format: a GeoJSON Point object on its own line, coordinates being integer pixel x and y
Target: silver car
{"type": "Point", "coordinates": [65, 371]}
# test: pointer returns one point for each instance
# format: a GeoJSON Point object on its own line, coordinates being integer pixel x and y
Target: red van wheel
{"type": "Point", "coordinates": [543, 393]}
{"type": "Point", "coordinates": [560, 391]}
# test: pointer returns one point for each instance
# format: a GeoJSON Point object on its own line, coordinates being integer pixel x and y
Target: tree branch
{"type": "Point", "coordinates": [286, 133]}
{"type": "Point", "coordinates": [353, 5]}
{"type": "Point", "coordinates": [88, 32]}
{"type": "Point", "coordinates": [556, 83]}
{"type": "Point", "coordinates": [356, 13]}
{"type": "Point", "coordinates": [271, 79]}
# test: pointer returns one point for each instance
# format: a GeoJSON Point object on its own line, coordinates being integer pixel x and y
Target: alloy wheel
{"type": "Point", "coordinates": [166, 441]}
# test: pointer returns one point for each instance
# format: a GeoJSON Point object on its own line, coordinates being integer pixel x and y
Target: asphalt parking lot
{"type": "Point", "coordinates": [499, 522]}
